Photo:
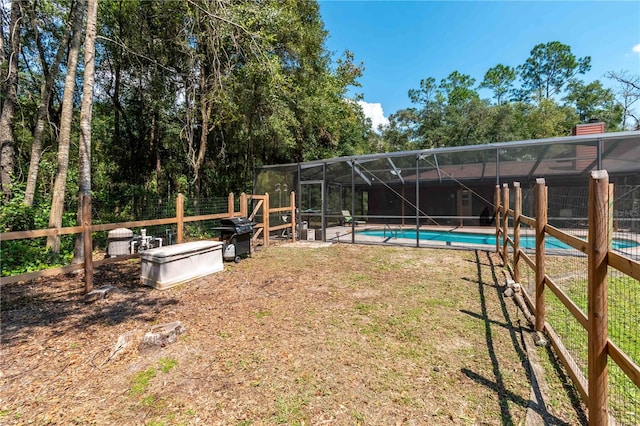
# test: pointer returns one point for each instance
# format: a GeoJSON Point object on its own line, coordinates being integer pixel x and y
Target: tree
{"type": "Point", "coordinates": [50, 74]}
{"type": "Point", "coordinates": [84, 186]}
{"type": "Point", "coordinates": [10, 87]}
{"type": "Point", "coordinates": [458, 89]}
{"type": "Point", "coordinates": [64, 137]}
{"type": "Point", "coordinates": [628, 93]}
{"type": "Point", "coordinates": [499, 79]}
{"type": "Point", "coordinates": [549, 68]}
{"type": "Point", "coordinates": [594, 102]}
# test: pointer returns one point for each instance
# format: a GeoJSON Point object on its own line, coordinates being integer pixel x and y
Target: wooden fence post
{"type": "Point", "coordinates": [517, 212]}
{"type": "Point", "coordinates": [541, 222]}
{"type": "Point", "coordinates": [496, 215]}
{"type": "Point", "coordinates": [244, 205]}
{"type": "Point", "coordinates": [598, 248]}
{"type": "Point", "coordinates": [505, 223]}
{"type": "Point", "coordinates": [230, 205]}
{"type": "Point", "coordinates": [87, 243]}
{"type": "Point", "coordinates": [180, 218]}
{"type": "Point", "coordinates": [292, 203]}
{"type": "Point", "coordinates": [265, 213]}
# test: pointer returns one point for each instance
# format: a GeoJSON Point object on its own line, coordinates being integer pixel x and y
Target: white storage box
{"type": "Point", "coordinates": [311, 234]}
{"type": "Point", "coordinates": [168, 266]}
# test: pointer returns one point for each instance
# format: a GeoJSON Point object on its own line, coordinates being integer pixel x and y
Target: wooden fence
{"type": "Point", "coordinates": [262, 228]}
{"type": "Point", "coordinates": [594, 388]}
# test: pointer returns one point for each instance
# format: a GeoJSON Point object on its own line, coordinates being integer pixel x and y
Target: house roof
{"type": "Point", "coordinates": [618, 153]}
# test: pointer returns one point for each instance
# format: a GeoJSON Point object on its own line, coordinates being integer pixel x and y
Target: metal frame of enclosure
{"type": "Point", "coordinates": [449, 186]}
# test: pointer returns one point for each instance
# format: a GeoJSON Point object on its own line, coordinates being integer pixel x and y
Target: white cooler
{"type": "Point", "coordinates": [168, 266]}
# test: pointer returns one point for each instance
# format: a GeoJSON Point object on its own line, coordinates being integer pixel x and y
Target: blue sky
{"type": "Point", "coordinates": [402, 42]}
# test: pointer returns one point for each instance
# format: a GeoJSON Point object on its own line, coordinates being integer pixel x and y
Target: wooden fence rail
{"type": "Point", "coordinates": [594, 388]}
{"type": "Point", "coordinates": [263, 228]}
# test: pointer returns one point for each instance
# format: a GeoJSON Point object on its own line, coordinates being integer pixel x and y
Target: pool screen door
{"type": "Point", "coordinates": [311, 205]}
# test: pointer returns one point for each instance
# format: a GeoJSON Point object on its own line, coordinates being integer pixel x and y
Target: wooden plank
{"type": "Point", "coordinates": [626, 364]}
{"type": "Point", "coordinates": [598, 249]}
{"type": "Point", "coordinates": [281, 209]}
{"type": "Point", "coordinates": [528, 220]}
{"type": "Point", "coordinates": [567, 360]}
{"type": "Point", "coordinates": [180, 218]}
{"type": "Point", "coordinates": [575, 310]}
{"type": "Point", "coordinates": [87, 243]}
{"type": "Point", "coordinates": [230, 205]}
{"type": "Point", "coordinates": [575, 242]}
{"type": "Point", "coordinates": [496, 213]}
{"type": "Point", "coordinates": [279, 227]}
{"type": "Point", "coordinates": [132, 224]}
{"type": "Point", "coordinates": [505, 222]}
{"type": "Point", "coordinates": [292, 202]}
{"type": "Point", "coordinates": [255, 209]}
{"type": "Point", "coordinates": [36, 233]}
{"type": "Point", "coordinates": [517, 213]}
{"type": "Point", "coordinates": [625, 265]}
{"type": "Point", "coordinates": [527, 260]}
{"type": "Point", "coordinates": [43, 273]}
{"type": "Point", "coordinates": [214, 216]}
{"type": "Point", "coordinates": [542, 208]}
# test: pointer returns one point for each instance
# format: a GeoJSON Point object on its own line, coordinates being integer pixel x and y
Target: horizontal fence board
{"type": "Point", "coordinates": [279, 227]}
{"type": "Point", "coordinates": [36, 233]}
{"type": "Point", "coordinates": [625, 265]}
{"type": "Point", "coordinates": [567, 302]}
{"type": "Point", "coordinates": [567, 360]}
{"type": "Point", "coordinates": [280, 209]}
{"type": "Point", "coordinates": [43, 273]}
{"type": "Point", "coordinates": [206, 217]}
{"type": "Point", "coordinates": [528, 220]}
{"type": "Point", "coordinates": [527, 260]}
{"type": "Point", "coordinates": [132, 224]}
{"type": "Point", "coordinates": [575, 242]}
{"type": "Point", "coordinates": [625, 363]}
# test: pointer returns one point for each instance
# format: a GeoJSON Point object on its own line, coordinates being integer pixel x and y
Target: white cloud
{"type": "Point", "coordinates": [636, 48]}
{"type": "Point", "coordinates": [375, 113]}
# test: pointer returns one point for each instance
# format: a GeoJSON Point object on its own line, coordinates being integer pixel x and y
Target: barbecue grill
{"type": "Point", "coordinates": [236, 233]}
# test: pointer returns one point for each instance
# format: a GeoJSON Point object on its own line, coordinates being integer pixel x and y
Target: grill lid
{"type": "Point", "coordinates": [241, 225]}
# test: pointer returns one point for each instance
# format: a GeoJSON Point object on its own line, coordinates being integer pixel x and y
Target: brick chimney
{"type": "Point", "coordinates": [588, 129]}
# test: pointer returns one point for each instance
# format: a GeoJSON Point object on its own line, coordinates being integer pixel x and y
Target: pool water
{"type": "Point", "coordinates": [526, 241]}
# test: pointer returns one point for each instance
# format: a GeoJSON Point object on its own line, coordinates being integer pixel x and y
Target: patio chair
{"type": "Point", "coordinates": [348, 219]}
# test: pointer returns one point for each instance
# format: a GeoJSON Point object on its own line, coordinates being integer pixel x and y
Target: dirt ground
{"type": "Point", "coordinates": [294, 335]}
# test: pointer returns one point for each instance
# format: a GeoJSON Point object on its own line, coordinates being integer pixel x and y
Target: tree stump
{"type": "Point", "coordinates": [162, 335]}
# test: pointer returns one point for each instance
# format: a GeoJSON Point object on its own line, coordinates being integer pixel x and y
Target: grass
{"type": "Point", "coordinates": [296, 336]}
{"type": "Point", "coordinates": [623, 315]}
{"type": "Point", "coordinates": [141, 381]}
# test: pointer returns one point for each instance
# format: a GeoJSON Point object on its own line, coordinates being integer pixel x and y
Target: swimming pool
{"type": "Point", "coordinates": [526, 241]}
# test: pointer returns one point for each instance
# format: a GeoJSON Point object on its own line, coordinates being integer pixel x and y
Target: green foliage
{"type": "Point", "coordinates": [499, 79]}
{"type": "Point", "coordinates": [28, 255]}
{"type": "Point", "coordinates": [451, 113]}
{"type": "Point", "coordinates": [549, 68]}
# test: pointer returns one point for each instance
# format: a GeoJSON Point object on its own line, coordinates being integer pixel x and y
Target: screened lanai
{"type": "Point", "coordinates": [338, 198]}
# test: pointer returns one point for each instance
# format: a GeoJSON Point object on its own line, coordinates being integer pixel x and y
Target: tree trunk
{"type": "Point", "coordinates": [84, 184]}
{"type": "Point", "coordinates": [7, 150]}
{"type": "Point", "coordinates": [60, 185]}
{"type": "Point", "coordinates": [50, 76]}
